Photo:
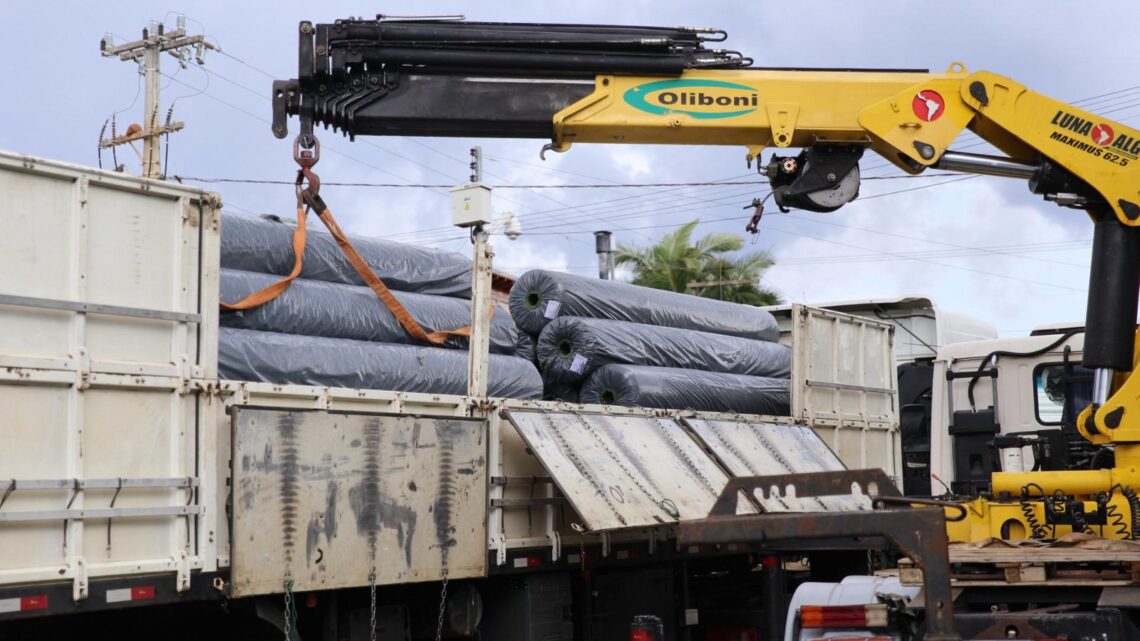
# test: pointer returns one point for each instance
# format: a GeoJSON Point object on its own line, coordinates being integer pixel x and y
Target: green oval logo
{"type": "Point", "coordinates": [695, 98]}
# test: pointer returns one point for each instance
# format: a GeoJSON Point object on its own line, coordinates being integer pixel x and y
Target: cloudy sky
{"type": "Point", "coordinates": [980, 246]}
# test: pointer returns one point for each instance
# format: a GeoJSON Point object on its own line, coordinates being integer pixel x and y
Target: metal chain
{"type": "Point", "coordinates": [666, 504]}
{"type": "Point", "coordinates": [372, 603]}
{"type": "Point", "coordinates": [565, 447]}
{"type": "Point", "coordinates": [290, 611]}
{"type": "Point", "coordinates": [685, 456]}
{"type": "Point", "coordinates": [442, 604]}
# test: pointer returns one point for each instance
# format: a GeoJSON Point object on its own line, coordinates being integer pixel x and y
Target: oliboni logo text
{"type": "Point", "coordinates": [696, 98]}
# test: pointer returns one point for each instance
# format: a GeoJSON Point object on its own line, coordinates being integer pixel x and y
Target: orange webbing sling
{"type": "Point", "coordinates": [263, 296]}
{"type": "Point", "coordinates": [313, 200]}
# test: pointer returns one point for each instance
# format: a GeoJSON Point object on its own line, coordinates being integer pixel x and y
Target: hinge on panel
{"type": "Point", "coordinates": [184, 375]}
{"type": "Point", "coordinates": [501, 549]}
{"type": "Point", "coordinates": [79, 580]}
{"type": "Point", "coordinates": [183, 578]}
{"type": "Point", "coordinates": [83, 369]}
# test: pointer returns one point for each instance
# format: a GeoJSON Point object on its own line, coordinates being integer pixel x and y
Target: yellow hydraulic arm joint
{"type": "Point", "coordinates": [909, 118]}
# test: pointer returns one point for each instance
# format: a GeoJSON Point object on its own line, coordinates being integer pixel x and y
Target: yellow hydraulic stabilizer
{"type": "Point", "coordinates": [1041, 504]}
{"type": "Point", "coordinates": [1046, 517]}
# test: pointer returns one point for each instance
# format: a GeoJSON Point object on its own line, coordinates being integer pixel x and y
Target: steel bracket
{"type": "Point", "coordinates": [501, 550]}
{"type": "Point", "coordinates": [79, 582]}
{"type": "Point", "coordinates": [183, 576]}
{"type": "Point", "coordinates": [919, 533]}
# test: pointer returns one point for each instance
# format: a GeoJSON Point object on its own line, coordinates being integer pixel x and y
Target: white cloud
{"type": "Point", "coordinates": [518, 256]}
{"type": "Point", "coordinates": [1015, 289]}
{"type": "Point", "coordinates": [632, 162]}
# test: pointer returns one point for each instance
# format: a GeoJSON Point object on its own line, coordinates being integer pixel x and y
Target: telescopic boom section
{"type": "Point", "coordinates": [447, 78]}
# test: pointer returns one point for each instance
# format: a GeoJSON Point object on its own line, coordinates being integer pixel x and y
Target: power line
{"type": "Point", "coordinates": [388, 151]}
{"type": "Point", "coordinates": [528, 187]}
{"type": "Point", "coordinates": [329, 148]}
{"type": "Point", "coordinates": [658, 195]}
{"type": "Point", "coordinates": [923, 260]}
{"type": "Point", "coordinates": [737, 216]}
{"type": "Point", "coordinates": [615, 185]}
{"type": "Point", "coordinates": [596, 185]}
{"type": "Point", "coordinates": [731, 200]}
{"type": "Point", "coordinates": [243, 62]}
{"type": "Point", "coordinates": [879, 257]}
{"type": "Point", "coordinates": [1009, 250]}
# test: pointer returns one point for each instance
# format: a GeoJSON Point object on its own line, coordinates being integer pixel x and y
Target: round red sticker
{"type": "Point", "coordinates": [928, 105]}
{"type": "Point", "coordinates": [1102, 134]}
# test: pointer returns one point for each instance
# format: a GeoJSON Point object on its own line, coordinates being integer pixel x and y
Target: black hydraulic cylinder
{"type": "Point", "coordinates": [529, 60]}
{"type": "Point", "coordinates": [1114, 285]}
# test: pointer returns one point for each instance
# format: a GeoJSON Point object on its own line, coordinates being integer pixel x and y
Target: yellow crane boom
{"type": "Point", "coordinates": [631, 85]}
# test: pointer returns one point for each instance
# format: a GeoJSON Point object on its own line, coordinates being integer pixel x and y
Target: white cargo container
{"type": "Point", "coordinates": [108, 321]}
{"type": "Point", "coordinates": [128, 472]}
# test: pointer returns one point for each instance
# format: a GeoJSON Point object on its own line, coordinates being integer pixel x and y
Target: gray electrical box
{"type": "Point", "coordinates": [471, 205]}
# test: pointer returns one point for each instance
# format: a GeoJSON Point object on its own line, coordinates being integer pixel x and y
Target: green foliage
{"type": "Point", "coordinates": [676, 260]}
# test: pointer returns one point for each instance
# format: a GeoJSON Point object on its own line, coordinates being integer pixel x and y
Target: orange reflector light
{"type": "Point", "coordinates": [843, 616]}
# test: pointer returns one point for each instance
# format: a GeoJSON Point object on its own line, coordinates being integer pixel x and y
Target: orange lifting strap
{"type": "Point", "coordinates": [310, 198]}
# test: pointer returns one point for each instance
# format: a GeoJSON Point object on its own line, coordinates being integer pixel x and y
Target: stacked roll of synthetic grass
{"type": "Point", "coordinates": [614, 343]}
{"type": "Point", "coordinates": [329, 329]}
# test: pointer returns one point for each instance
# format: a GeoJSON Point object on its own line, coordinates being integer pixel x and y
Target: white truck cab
{"type": "Point", "coordinates": [1006, 404]}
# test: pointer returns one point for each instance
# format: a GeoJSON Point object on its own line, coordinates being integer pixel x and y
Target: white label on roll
{"type": "Point", "coordinates": [552, 308]}
{"type": "Point", "coordinates": [578, 365]}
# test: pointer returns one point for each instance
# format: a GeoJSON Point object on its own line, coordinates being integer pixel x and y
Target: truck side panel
{"type": "Point", "coordinates": [845, 385]}
{"type": "Point", "coordinates": [107, 322]}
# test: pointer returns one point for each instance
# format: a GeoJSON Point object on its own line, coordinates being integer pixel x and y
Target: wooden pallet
{"type": "Point", "coordinates": [1062, 566]}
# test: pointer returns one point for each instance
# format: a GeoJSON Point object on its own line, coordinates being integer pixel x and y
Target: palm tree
{"type": "Point", "coordinates": [676, 260]}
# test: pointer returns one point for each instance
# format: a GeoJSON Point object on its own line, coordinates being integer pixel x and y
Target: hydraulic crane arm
{"type": "Point", "coordinates": [591, 83]}
{"type": "Point", "coordinates": [602, 84]}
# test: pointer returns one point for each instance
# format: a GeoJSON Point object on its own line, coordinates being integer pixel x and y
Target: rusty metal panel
{"type": "Point", "coordinates": [753, 448]}
{"type": "Point", "coordinates": [622, 471]}
{"type": "Point", "coordinates": [323, 498]}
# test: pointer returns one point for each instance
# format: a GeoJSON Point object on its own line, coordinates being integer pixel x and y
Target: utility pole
{"type": "Point", "coordinates": [147, 53]}
{"type": "Point", "coordinates": [471, 209]}
{"type": "Point", "coordinates": [476, 164]}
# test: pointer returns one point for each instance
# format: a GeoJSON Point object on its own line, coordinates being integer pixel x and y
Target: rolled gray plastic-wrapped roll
{"type": "Point", "coordinates": [671, 388]}
{"type": "Point", "coordinates": [248, 355]}
{"type": "Point", "coordinates": [333, 310]}
{"type": "Point", "coordinates": [525, 347]}
{"type": "Point", "coordinates": [538, 297]}
{"type": "Point", "coordinates": [258, 244]}
{"type": "Point", "coordinates": [570, 348]}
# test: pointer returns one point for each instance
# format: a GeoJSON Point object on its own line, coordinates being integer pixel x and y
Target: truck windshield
{"type": "Point", "coordinates": [1060, 391]}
